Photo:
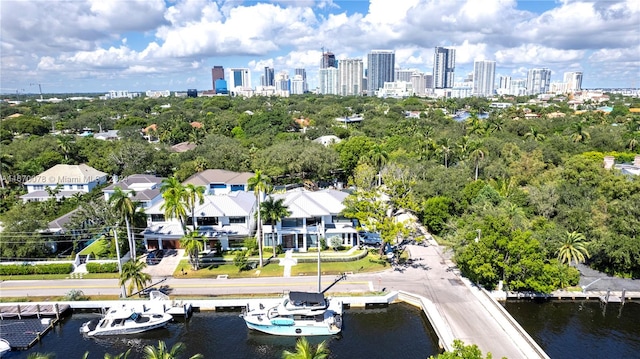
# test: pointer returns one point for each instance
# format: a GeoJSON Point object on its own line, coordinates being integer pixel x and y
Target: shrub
{"type": "Point", "coordinates": [75, 295]}
{"type": "Point", "coordinates": [26, 269]}
{"type": "Point", "coordinates": [240, 260]}
{"type": "Point", "coordinates": [93, 267]}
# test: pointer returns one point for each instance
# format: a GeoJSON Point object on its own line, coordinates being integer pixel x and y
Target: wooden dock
{"type": "Point", "coordinates": [27, 310]}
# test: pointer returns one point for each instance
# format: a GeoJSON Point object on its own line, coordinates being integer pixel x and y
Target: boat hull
{"type": "Point", "coordinates": [127, 331]}
{"type": "Point", "coordinates": [294, 330]}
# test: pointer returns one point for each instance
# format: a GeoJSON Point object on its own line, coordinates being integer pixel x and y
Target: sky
{"type": "Point", "coordinates": [138, 45]}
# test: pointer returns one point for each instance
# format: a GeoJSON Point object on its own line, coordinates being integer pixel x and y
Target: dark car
{"type": "Point", "coordinates": [370, 239]}
{"type": "Point", "coordinates": [155, 257]}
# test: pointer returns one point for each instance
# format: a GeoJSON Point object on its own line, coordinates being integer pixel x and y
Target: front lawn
{"type": "Point", "coordinates": [370, 263]}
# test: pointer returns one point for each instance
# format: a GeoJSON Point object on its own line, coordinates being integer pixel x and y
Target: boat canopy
{"type": "Point", "coordinates": [308, 298]}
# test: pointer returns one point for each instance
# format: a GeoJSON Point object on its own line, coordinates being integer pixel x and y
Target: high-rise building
{"type": "Point", "coordinates": [444, 66]}
{"type": "Point", "coordinates": [302, 72]}
{"type": "Point", "coordinates": [328, 79]}
{"type": "Point", "coordinates": [484, 76]}
{"type": "Point", "coordinates": [573, 81]}
{"type": "Point", "coordinates": [380, 69]}
{"type": "Point", "coordinates": [350, 72]}
{"type": "Point", "coordinates": [518, 87]}
{"type": "Point", "coordinates": [239, 77]}
{"type": "Point", "coordinates": [328, 60]}
{"type": "Point", "coordinates": [418, 83]}
{"type": "Point", "coordinates": [404, 74]}
{"type": "Point", "coordinates": [297, 85]}
{"type": "Point", "coordinates": [217, 73]}
{"type": "Point", "coordinates": [428, 81]}
{"type": "Point", "coordinates": [538, 80]}
{"type": "Point", "coordinates": [505, 82]}
{"type": "Point", "coordinates": [282, 81]}
{"type": "Point", "coordinates": [268, 78]}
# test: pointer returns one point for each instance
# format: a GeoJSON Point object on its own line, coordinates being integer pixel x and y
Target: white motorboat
{"type": "Point", "coordinates": [125, 320]}
{"type": "Point", "coordinates": [298, 314]}
{"type": "Point", "coordinates": [5, 347]}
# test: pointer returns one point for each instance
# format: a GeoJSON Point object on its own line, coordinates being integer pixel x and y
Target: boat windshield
{"type": "Point", "coordinates": [134, 316]}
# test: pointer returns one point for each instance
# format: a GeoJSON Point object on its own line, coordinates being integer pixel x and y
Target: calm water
{"type": "Point", "coordinates": [399, 331]}
{"type": "Point", "coordinates": [582, 330]}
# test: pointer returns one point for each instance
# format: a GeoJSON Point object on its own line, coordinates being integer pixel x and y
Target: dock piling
{"type": "Point", "coordinates": [622, 297]}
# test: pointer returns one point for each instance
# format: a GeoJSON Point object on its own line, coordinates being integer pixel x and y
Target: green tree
{"type": "Point", "coordinates": [573, 248]}
{"type": "Point", "coordinates": [578, 132]}
{"type": "Point", "coordinates": [192, 243]}
{"type": "Point", "coordinates": [274, 210]}
{"type": "Point", "coordinates": [478, 153]}
{"type": "Point", "coordinates": [133, 276]}
{"type": "Point", "coordinates": [534, 135]}
{"type": "Point", "coordinates": [122, 203]}
{"type": "Point", "coordinates": [304, 350]}
{"type": "Point", "coordinates": [435, 213]}
{"type": "Point", "coordinates": [162, 352]}
{"type": "Point", "coordinates": [41, 356]}
{"type": "Point", "coordinates": [462, 351]}
{"type": "Point", "coordinates": [259, 183]}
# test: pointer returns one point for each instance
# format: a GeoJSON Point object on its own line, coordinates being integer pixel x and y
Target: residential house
{"type": "Point", "coordinates": [221, 181]}
{"type": "Point", "coordinates": [314, 215]}
{"type": "Point", "coordinates": [146, 187]}
{"type": "Point", "coordinates": [225, 218]}
{"type": "Point", "coordinates": [629, 169]}
{"type": "Point", "coordinates": [63, 181]}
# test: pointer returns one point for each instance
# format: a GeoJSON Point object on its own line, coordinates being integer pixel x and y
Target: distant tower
{"type": "Point", "coordinates": [217, 73]}
{"type": "Point", "coordinates": [268, 76]}
{"type": "Point", "coordinates": [444, 66]}
{"type": "Point", "coordinates": [573, 81]}
{"type": "Point", "coordinates": [239, 77]}
{"type": "Point", "coordinates": [328, 60]}
{"type": "Point", "coordinates": [380, 69]}
{"type": "Point", "coordinates": [303, 73]}
{"type": "Point", "coordinates": [538, 80]}
{"type": "Point", "coordinates": [484, 76]}
{"type": "Point", "coordinates": [350, 72]}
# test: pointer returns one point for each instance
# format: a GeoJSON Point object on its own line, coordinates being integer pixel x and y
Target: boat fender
{"type": "Point", "coordinates": [298, 331]}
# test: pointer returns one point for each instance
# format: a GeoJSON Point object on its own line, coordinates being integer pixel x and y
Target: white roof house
{"type": "Point", "coordinates": [146, 187]}
{"type": "Point", "coordinates": [219, 181]}
{"type": "Point", "coordinates": [63, 181]}
{"type": "Point", "coordinates": [220, 217]}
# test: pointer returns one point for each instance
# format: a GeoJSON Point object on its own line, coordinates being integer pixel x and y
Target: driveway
{"type": "Point", "coordinates": [167, 265]}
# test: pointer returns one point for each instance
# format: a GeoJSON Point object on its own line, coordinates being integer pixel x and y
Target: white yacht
{"type": "Point", "coordinates": [298, 314]}
{"type": "Point", "coordinates": [126, 320]}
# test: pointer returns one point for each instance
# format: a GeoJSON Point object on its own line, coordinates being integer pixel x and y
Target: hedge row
{"type": "Point", "coordinates": [93, 267]}
{"type": "Point", "coordinates": [25, 269]}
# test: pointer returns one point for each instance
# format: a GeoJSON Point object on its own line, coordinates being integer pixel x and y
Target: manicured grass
{"type": "Point", "coordinates": [370, 263]}
{"type": "Point", "coordinates": [214, 270]}
{"type": "Point", "coordinates": [98, 246]}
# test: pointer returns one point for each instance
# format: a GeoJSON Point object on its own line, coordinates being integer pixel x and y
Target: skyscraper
{"type": "Point", "coordinates": [328, 60]}
{"type": "Point", "coordinates": [419, 83]}
{"type": "Point", "coordinates": [302, 72]}
{"type": "Point", "coordinates": [297, 85]}
{"type": "Point", "coordinates": [380, 69]}
{"type": "Point", "coordinates": [444, 66]}
{"type": "Point", "coordinates": [217, 73]}
{"type": "Point", "coordinates": [239, 77]}
{"type": "Point", "coordinates": [404, 74]}
{"type": "Point", "coordinates": [268, 77]}
{"type": "Point", "coordinates": [538, 80]}
{"type": "Point", "coordinates": [350, 72]}
{"type": "Point", "coordinates": [573, 81]}
{"type": "Point", "coordinates": [328, 81]}
{"type": "Point", "coordinates": [484, 76]}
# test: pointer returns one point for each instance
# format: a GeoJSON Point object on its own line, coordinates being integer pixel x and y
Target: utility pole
{"type": "Point", "coordinates": [123, 293]}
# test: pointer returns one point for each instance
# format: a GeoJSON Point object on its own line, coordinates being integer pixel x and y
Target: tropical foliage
{"type": "Point", "coordinates": [304, 350]}
{"type": "Point", "coordinates": [132, 276]}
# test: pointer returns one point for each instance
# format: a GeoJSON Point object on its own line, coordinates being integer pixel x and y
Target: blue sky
{"type": "Point", "coordinates": [138, 45]}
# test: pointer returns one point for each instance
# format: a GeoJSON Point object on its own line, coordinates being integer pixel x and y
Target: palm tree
{"type": "Point", "coordinates": [133, 274]}
{"type": "Point", "coordinates": [578, 133]}
{"type": "Point", "coordinates": [259, 183]}
{"type": "Point", "coordinates": [192, 243]}
{"type": "Point", "coordinates": [274, 210]}
{"type": "Point", "coordinates": [445, 149]}
{"type": "Point", "coordinates": [65, 144]}
{"type": "Point", "coordinates": [41, 356]}
{"type": "Point", "coordinates": [173, 193]}
{"type": "Point", "coordinates": [573, 248]}
{"type": "Point", "coordinates": [124, 355]}
{"type": "Point", "coordinates": [304, 350]}
{"type": "Point", "coordinates": [192, 194]}
{"type": "Point", "coordinates": [477, 154]}
{"type": "Point", "coordinates": [162, 352]}
{"type": "Point", "coordinates": [126, 208]}
{"type": "Point", "coordinates": [378, 157]}
{"type": "Point", "coordinates": [534, 134]}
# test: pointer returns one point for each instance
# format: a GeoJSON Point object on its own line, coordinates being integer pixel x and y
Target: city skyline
{"type": "Point", "coordinates": [92, 46]}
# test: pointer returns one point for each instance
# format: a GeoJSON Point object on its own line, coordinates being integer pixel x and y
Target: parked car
{"type": "Point", "coordinates": [155, 257]}
{"type": "Point", "coordinates": [370, 238]}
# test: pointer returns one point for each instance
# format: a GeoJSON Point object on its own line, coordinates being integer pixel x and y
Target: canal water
{"type": "Point", "coordinates": [581, 329]}
{"type": "Point", "coordinates": [397, 331]}
{"type": "Point", "coordinates": [564, 329]}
